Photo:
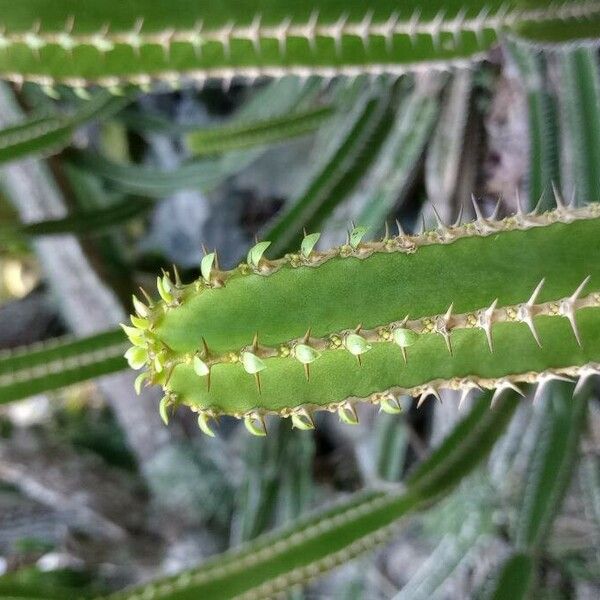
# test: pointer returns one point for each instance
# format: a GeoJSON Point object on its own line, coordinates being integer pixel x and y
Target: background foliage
{"type": "Point", "coordinates": [373, 114]}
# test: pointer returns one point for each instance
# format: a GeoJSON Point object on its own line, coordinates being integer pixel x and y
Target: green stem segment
{"type": "Point", "coordinates": [314, 544]}
{"type": "Point", "coordinates": [488, 304]}
{"type": "Point", "coordinates": [78, 42]}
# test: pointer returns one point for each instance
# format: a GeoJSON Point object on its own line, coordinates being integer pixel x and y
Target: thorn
{"type": "Point", "coordinates": [465, 392]}
{"type": "Point", "coordinates": [536, 293]}
{"type": "Point", "coordinates": [307, 371]}
{"type": "Point", "coordinates": [503, 385]}
{"type": "Point", "coordinates": [543, 382]}
{"type": "Point", "coordinates": [441, 327]}
{"type": "Point", "coordinates": [484, 225]}
{"type": "Point", "coordinates": [176, 276]}
{"type": "Point", "coordinates": [399, 227]}
{"type": "Point", "coordinates": [428, 391]}
{"type": "Point", "coordinates": [463, 396]}
{"type": "Point", "coordinates": [205, 347]}
{"type": "Point", "coordinates": [423, 226]}
{"type": "Point", "coordinates": [494, 216]}
{"type": "Point", "coordinates": [441, 225]}
{"type": "Point", "coordinates": [484, 321]}
{"type": "Point", "coordinates": [478, 215]}
{"type": "Point", "coordinates": [386, 234]}
{"type": "Point", "coordinates": [529, 322]}
{"type": "Point", "coordinates": [403, 350]}
{"type": "Point", "coordinates": [257, 380]}
{"type": "Point", "coordinates": [460, 216]}
{"type": "Point", "coordinates": [525, 312]}
{"type": "Point", "coordinates": [146, 295]}
{"type": "Point", "coordinates": [519, 204]}
{"type": "Point", "coordinates": [536, 208]}
{"type": "Point", "coordinates": [557, 197]}
{"type": "Point", "coordinates": [567, 308]}
{"type": "Point", "coordinates": [585, 373]}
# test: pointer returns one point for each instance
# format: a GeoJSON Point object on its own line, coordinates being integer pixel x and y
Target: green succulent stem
{"type": "Point", "coordinates": [82, 42]}
{"type": "Point", "coordinates": [488, 304]}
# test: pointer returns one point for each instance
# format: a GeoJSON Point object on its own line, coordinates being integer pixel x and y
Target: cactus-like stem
{"type": "Point", "coordinates": [488, 304]}
{"type": "Point", "coordinates": [78, 42]}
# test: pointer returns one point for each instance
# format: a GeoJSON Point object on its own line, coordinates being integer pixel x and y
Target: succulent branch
{"type": "Point", "coordinates": [314, 544]}
{"type": "Point", "coordinates": [83, 42]}
{"type": "Point", "coordinates": [408, 314]}
{"type": "Point", "coordinates": [59, 362]}
{"type": "Point", "coordinates": [41, 134]}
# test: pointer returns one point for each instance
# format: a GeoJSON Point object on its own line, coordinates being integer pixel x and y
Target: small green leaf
{"type": "Point", "coordinates": [255, 425]}
{"type": "Point", "coordinates": [305, 354]}
{"type": "Point", "coordinates": [158, 364]}
{"type": "Point", "coordinates": [308, 243]}
{"type": "Point", "coordinates": [391, 406]}
{"type": "Point", "coordinates": [140, 308]}
{"type": "Point", "coordinates": [163, 409]}
{"type": "Point", "coordinates": [356, 344]}
{"type": "Point", "coordinates": [136, 337]}
{"type": "Point", "coordinates": [302, 421]}
{"type": "Point", "coordinates": [206, 265]}
{"type": "Point", "coordinates": [356, 235]}
{"type": "Point", "coordinates": [136, 357]}
{"type": "Point", "coordinates": [252, 363]}
{"type": "Point", "coordinates": [347, 414]}
{"type": "Point", "coordinates": [139, 380]}
{"type": "Point", "coordinates": [139, 323]}
{"type": "Point", "coordinates": [203, 424]}
{"type": "Point", "coordinates": [256, 253]}
{"type": "Point", "coordinates": [200, 367]}
{"type": "Point", "coordinates": [404, 337]}
{"type": "Point", "coordinates": [164, 293]}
